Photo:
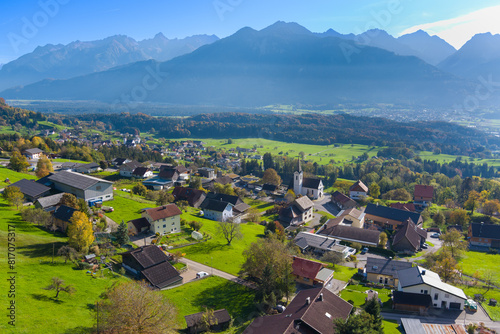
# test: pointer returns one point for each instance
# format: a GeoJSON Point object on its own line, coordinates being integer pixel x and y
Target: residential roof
{"type": "Point", "coordinates": [139, 223]}
{"type": "Point", "coordinates": [30, 188]}
{"type": "Point", "coordinates": [303, 203]}
{"type": "Point", "coordinates": [385, 266]}
{"type": "Point", "coordinates": [408, 298]}
{"type": "Point", "coordinates": [33, 151]}
{"type": "Point", "coordinates": [306, 268]}
{"type": "Point", "coordinates": [409, 231]}
{"type": "Point", "coordinates": [301, 317]}
{"type": "Point", "coordinates": [418, 275]}
{"type": "Point", "coordinates": [311, 183]}
{"type": "Point", "coordinates": [188, 194]}
{"type": "Point", "coordinates": [238, 204]}
{"type": "Point", "coordinates": [164, 211]}
{"type": "Point", "coordinates": [338, 197]}
{"type": "Point", "coordinates": [305, 240]}
{"type": "Point", "coordinates": [64, 213]}
{"type": "Point", "coordinates": [403, 206]}
{"type": "Point", "coordinates": [214, 205]}
{"type": "Point", "coordinates": [131, 165]}
{"type": "Point", "coordinates": [162, 275]}
{"type": "Point", "coordinates": [76, 180]}
{"type": "Point", "coordinates": [269, 187]}
{"type": "Point", "coordinates": [222, 316]}
{"type": "Point", "coordinates": [391, 213]}
{"type": "Point", "coordinates": [223, 180]}
{"type": "Point", "coordinates": [413, 326]}
{"type": "Point", "coordinates": [353, 212]}
{"type": "Point", "coordinates": [324, 275]}
{"type": "Point", "coordinates": [423, 191]}
{"type": "Point", "coordinates": [48, 201]}
{"type": "Point", "coordinates": [140, 171]}
{"type": "Point", "coordinates": [147, 256]}
{"type": "Point", "coordinates": [480, 230]}
{"type": "Point", "coordinates": [359, 186]}
{"type": "Point", "coordinates": [350, 233]}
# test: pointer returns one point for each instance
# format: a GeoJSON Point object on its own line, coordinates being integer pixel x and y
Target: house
{"type": "Point", "coordinates": [422, 195]}
{"type": "Point", "coordinates": [384, 271]}
{"type": "Point", "coordinates": [269, 189]}
{"type": "Point", "coordinates": [404, 206]}
{"type": "Point", "coordinates": [409, 238]}
{"type": "Point", "coordinates": [206, 172]}
{"type": "Point", "coordinates": [342, 201]}
{"type": "Point", "coordinates": [164, 219]}
{"type": "Point", "coordinates": [155, 183]}
{"type": "Point", "coordinates": [142, 173]}
{"type": "Point", "coordinates": [128, 168]}
{"type": "Point", "coordinates": [33, 153]}
{"type": "Point", "coordinates": [411, 302]}
{"type": "Point", "coordinates": [137, 226]}
{"type": "Point", "coordinates": [117, 162]}
{"type": "Point", "coordinates": [305, 186]}
{"type": "Point", "coordinates": [175, 174]}
{"type": "Point", "coordinates": [312, 311]}
{"type": "Point", "coordinates": [239, 207]}
{"type": "Point", "coordinates": [91, 189]}
{"type": "Point", "coordinates": [352, 217]}
{"type": "Point", "coordinates": [62, 216]}
{"type": "Point", "coordinates": [195, 324]}
{"type": "Point", "coordinates": [151, 263]}
{"type": "Point", "coordinates": [426, 282]}
{"type": "Point", "coordinates": [299, 212]}
{"type": "Point", "coordinates": [320, 244]}
{"type": "Point", "coordinates": [87, 168]}
{"type": "Point", "coordinates": [31, 190]}
{"type": "Point", "coordinates": [310, 273]}
{"type": "Point", "coordinates": [70, 166]}
{"type": "Point", "coordinates": [194, 197]}
{"type": "Point", "coordinates": [484, 235]}
{"type": "Point", "coordinates": [217, 210]}
{"type": "Point", "coordinates": [358, 190]}
{"type": "Point", "coordinates": [390, 218]}
{"type": "Point", "coordinates": [49, 203]}
{"type": "Point", "coordinates": [369, 238]}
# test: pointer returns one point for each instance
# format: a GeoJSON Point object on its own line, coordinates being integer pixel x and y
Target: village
{"type": "Point", "coordinates": [176, 223]}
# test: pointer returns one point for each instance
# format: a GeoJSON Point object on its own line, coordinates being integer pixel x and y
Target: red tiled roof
{"type": "Point", "coordinates": [359, 186]}
{"type": "Point", "coordinates": [403, 206]}
{"type": "Point", "coordinates": [164, 211]}
{"type": "Point", "coordinates": [306, 268]}
{"type": "Point", "coordinates": [423, 191]}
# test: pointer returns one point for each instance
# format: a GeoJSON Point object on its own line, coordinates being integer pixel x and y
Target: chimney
{"type": "Point", "coordinates": [308, 300]}
{"type": "Point", "coordinates": [321, 297]}
{"type": "Point", "coordinates": [423, 272]}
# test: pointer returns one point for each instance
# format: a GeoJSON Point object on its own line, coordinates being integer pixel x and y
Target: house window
{"type": "Point", "coordinates": [425, 292]}
{"type": "Point", "coordinates": [173, 223]}
{"type": "Point", "coordinates": [436, 296]}
{"type": "Point", "coordinates": [380, 279]}
{"type": "Point", "coordinates": [164, 225]}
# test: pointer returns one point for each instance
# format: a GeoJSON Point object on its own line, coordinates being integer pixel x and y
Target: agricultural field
{"type": "Point", "coordinates": [215, 293]}
{"type": "Point", "coordinates": [215, 252]}
{"type": "Point", "coordinates": [34, 268]}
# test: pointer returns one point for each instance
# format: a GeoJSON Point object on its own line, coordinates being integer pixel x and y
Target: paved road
{"type": "Point", "coordinates": [197, 267]}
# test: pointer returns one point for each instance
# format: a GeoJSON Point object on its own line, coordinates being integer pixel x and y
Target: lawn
{"type": "Point", "coordinates": [125, 207]}
{"type": "Point", "coordinates": [13, 176]}
{"type": "Point", "coordinates": [493, 311]}
{"type": "Point", "coordinates": [34, 269]}
{"type": "Point", "coordinates": [216, 252]}
{"type": "Point", "coordinates": [262, 206]}
{"type": "Point", "coordinates": [327, 214]}
{"type": "Point", "coordinates": [391, 327]}
{"type": "Point", "coordinates": [344, 273]}
{"type": "Point", "coordinates": [357, 294]}
{"type": "Point", "coordinates": [481, 262]}
{"type": "Point", "coordinates": [215, 293]}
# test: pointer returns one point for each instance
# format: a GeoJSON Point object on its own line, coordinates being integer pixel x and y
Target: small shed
{"type": "Point", "coordinates": [220, 321]}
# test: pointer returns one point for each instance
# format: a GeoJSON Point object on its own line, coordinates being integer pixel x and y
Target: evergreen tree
{"type": "Point", "coordinates": [122, 234]}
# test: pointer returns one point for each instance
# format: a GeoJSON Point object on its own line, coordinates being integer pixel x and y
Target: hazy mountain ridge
{"type": "Point", "coordinates": [80, 58]}
{"type": "Point", "coordinates": [281, 64]}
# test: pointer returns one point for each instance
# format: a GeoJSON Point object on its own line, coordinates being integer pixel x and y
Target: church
{"type": "Point", "coordinates": [311, 187]}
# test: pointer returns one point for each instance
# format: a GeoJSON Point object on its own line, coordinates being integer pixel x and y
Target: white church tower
{"type": "Point", "coordinates": [297, 181]}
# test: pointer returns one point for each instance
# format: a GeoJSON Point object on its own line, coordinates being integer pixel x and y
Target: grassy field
{"type": "Point", "coordinates": [12, 176]}
{"type": "Point", "coordinates": [36, 310]}
{"type": "Point", "coordinates": [493, 311]}
{"type": "Point", "coordinates": [357, 293]}
{"type": "Point", "coordinates": [391, 327]}
{"type": "Point", "coordinates": [259, 205]}
{"type": "Point", "coordinates": [481, 262]}
{"type": "Point", "coordinates": [344, 273]}
{"type": "Point", "coordinates": [127, 208]}
{"type": "Point", "coordinates": [216, 252]}
{"type": "Point", "coordinates": [215, 293]}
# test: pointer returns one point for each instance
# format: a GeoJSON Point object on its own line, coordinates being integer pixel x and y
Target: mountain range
{"type": "Point", "coordinates": [80, 58]}
{"type": "Point", "coordinates": [282, 64]}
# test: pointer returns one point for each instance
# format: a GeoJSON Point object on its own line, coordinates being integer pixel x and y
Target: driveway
{"type": "Point", "coordinates": [326, 205]}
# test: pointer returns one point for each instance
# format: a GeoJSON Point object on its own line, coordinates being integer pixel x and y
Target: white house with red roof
{"type": "Point", "coordinates": [164, 219]}
{"type": "Point", "coordinates": [358, 190]}
{"type": "Point", "coordinates": [422, 195]}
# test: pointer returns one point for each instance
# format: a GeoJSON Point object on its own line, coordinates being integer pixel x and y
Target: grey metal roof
{"type": "Point", "coordinates": [412, 326]}
{"type": "Point", "coordinates": [49, 201]}
{"type": "Point", "coordinates": [76, 180]}
{"type": "Point", "coordinates": [324, 274]}
{"type": "Point", "coordinates": [304, 239]}
{"type": "Point", "coordinates": [385, 266]}
{"type": "Point", "coordinates": [30, 187]}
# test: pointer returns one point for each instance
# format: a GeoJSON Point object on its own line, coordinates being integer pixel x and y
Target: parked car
{"type": "Point", "coordinates": [201, 274]}
{"type": "Point", "coordinates": [364, 250]}
{"type": "Point", "coordinates": [424, 246]}
{"type": "Point", "coordinates": [108, 209]}
{"type": "Point", "coordinates": [435, 235]}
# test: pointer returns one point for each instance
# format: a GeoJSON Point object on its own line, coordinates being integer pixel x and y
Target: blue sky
{"type": "Point", "coordinates": [64, 21]}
